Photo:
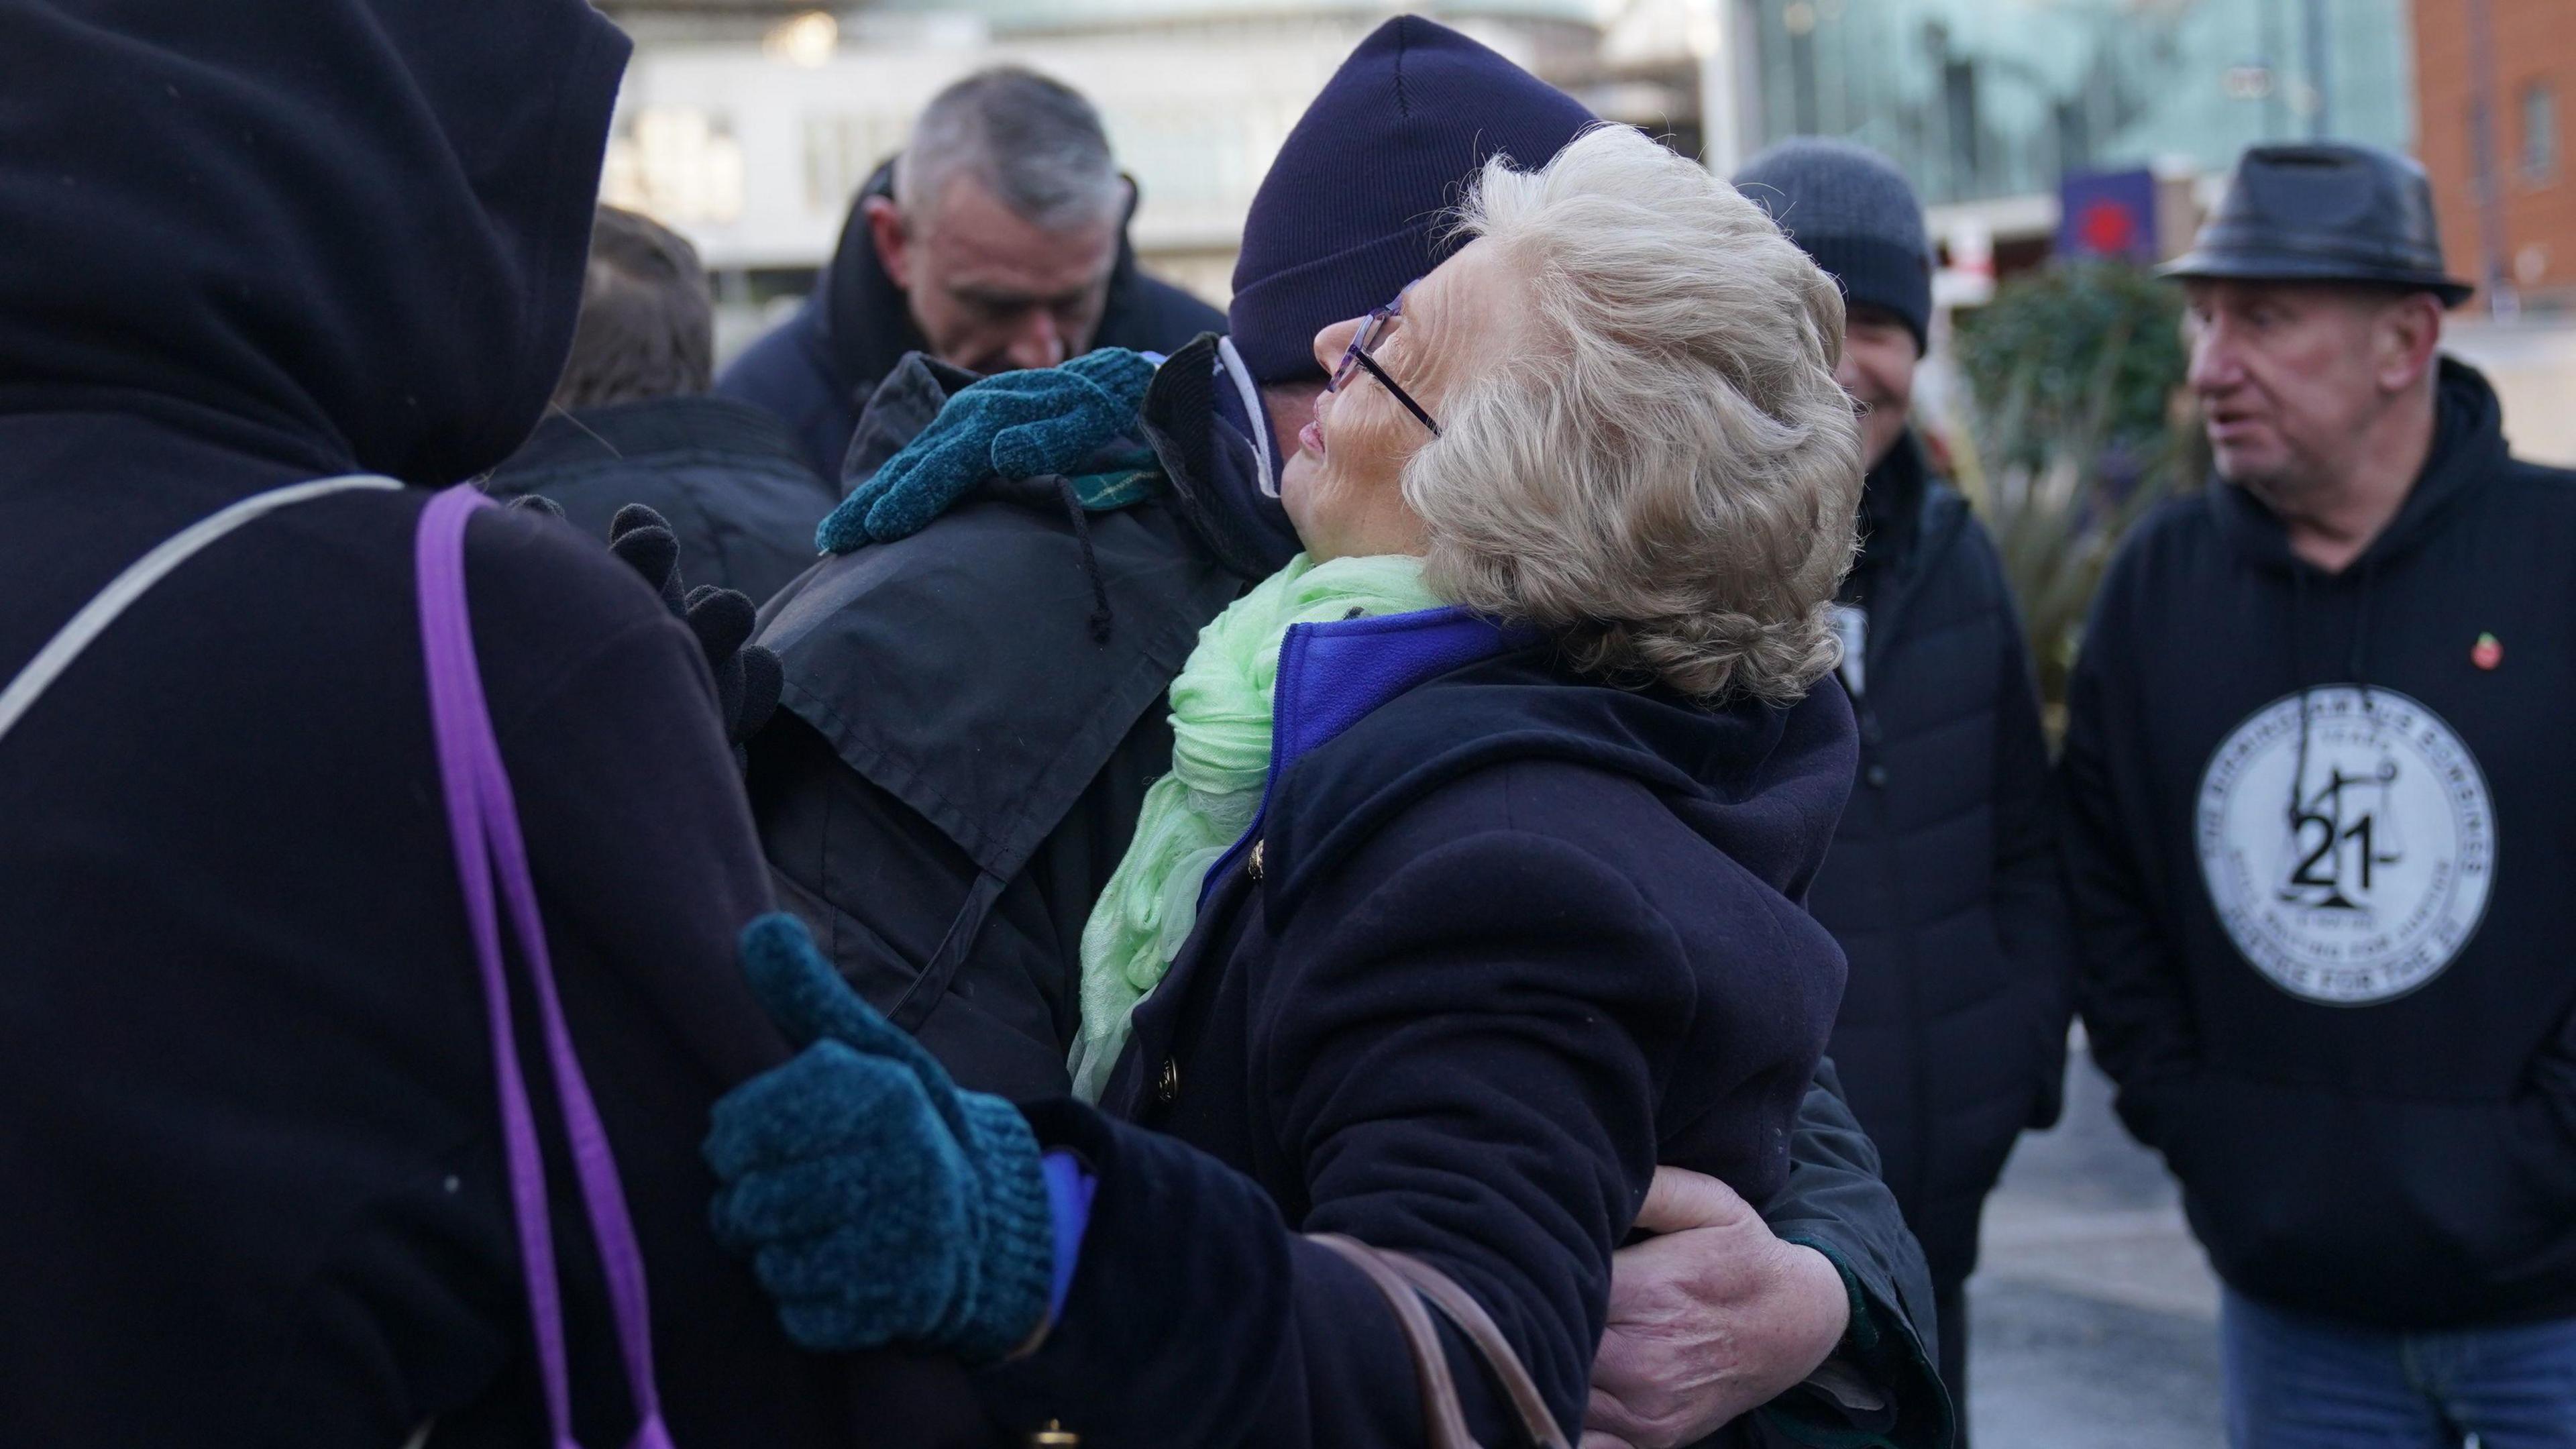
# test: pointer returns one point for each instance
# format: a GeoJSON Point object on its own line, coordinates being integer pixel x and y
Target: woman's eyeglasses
{"type": "Point", "coordinates": [1381, 325]}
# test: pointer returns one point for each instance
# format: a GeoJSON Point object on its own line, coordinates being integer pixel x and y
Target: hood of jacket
{"type": "Point", "coordinates": [1910, 517]}
{"type": "Point", "coordinates": [1203, 422]}
{"type": "Point", "coordinates": [867, 320]}
{"type": "Point", "coordinates": [993, 754]}
{"type": "Point", "coordinates": [341, 234]}
{"type": "Point", "coordinates": [2468, 448]}
{"type": "Point", "coordinates": [1761, 783]}
{"type": "Point", "coordinates": [1891, 506]}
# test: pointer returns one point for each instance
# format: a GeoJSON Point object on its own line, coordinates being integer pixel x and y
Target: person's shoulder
{"type": "Point", "coordinates": [2543, 483]}
{"type": "Point", "coordinates": [2187, 520]}
{"type": "Point", "coordinates": [545, 598]}
{"type": "Point", "coordinates": [1164, 317]}
{"type": "Point", "coordinates": [544, 588]}
{"type": "Point", "coordinates": [1973, 552]}
{"type": "Point", "coordinates": [2174, 537]}
{"type": "Point", "coordinates": [1509, 748]}
{"type": "Point", "coordinates": [782, 370]}
{"type": "Point", "coordinates": [986, 566]}
{"type": "Point", "coordinates": [972, 670]}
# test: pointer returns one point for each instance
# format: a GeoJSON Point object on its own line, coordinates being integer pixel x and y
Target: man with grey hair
{"type": "Point", "coordinates": [996, 241]}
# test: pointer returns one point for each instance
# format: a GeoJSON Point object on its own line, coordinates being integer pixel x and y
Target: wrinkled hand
{"type": "Point", "coordinates": [747, 675]}
{"type": "Point", "coordinates": [878, 1203]}
{"type": "Point", "coordinates": [1010, 425]}
{"type": "Point", "coordinates": [1708, 1321]}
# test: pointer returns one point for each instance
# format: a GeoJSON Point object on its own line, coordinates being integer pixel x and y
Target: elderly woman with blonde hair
{"type": "Point", "coordinates": [1474, 894]}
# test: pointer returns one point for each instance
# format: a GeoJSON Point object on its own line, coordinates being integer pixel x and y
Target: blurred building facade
{"type": "Point", "coordinates": [2496, 81]}
{"type": "Point", "coordinates": [749, 124]}
{"type": "Point", "coordinates": [1989, 105]}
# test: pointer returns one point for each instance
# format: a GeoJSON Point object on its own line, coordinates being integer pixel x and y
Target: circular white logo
{"type": "Point", "coordinates": [2353, 869]}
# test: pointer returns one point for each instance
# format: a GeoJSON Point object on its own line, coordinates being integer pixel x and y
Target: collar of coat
{"type": "Point", "coordinates": [1333, 675]}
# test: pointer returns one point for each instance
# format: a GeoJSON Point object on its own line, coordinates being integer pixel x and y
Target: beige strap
{"type": "Point", "coordinates": [1441, 1414]}
{"type": "Point", "coordinates": [1462, 1309]}
{"type": "Point", "coordinates": [1406, 1282]}
{"type": "Point", "coordinates": [139, 576]}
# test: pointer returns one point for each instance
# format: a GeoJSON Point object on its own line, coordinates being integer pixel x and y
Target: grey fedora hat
{"type": "Point", "coordinates": [2328, 212]}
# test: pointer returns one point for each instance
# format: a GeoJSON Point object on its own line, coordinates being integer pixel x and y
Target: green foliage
{"type": "Point", "coordinates": [2075, 430]}
{"type": "Point", "coordinates": [2089, 347]}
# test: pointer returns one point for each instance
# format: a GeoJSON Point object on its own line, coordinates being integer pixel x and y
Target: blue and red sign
{"type": "Point", "coordinates": [2107, 214]}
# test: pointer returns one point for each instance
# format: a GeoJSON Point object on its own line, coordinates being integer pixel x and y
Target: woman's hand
{"type": "Point", "coordinates": [878, 1203]}
{"type": "Point", "coordinates": [1709, 1321]}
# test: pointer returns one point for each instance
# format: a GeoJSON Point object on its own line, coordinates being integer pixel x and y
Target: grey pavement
{"type": "Point", "coordinates": [2093, 1317]}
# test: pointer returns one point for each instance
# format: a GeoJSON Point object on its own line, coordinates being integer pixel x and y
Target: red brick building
{"type": "Point", "coordinates": [2532, 90]}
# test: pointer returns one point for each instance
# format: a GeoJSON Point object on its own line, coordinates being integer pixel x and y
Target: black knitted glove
{"type": "Point", "coordinates": [747, 675]}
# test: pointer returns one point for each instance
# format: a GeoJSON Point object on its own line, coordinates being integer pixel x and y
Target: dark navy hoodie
{"type": "Point", "coordinates": [247, 1123]}
{"type": "Point", "coordinates": [2322, 832]}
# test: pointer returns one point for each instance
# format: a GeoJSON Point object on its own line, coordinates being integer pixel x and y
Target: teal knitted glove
{"type": "Point", "coordinates": [1010, 425]}
{"type": "Point", "coordinates": [878, 1203]}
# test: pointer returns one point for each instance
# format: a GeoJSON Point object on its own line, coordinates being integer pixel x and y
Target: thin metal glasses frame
{"type": "Point", "coordinates": [1355, 358]}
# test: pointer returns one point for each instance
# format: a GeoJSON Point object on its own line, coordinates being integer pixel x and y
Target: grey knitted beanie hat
{"type": "Point", "coordinates": [1853, 212]}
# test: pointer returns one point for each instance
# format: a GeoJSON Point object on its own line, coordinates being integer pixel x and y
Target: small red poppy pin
{"type": "Point", "coordinates": [2488, 652]}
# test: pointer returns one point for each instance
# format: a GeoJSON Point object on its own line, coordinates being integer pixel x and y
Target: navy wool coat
{"type": "Point", "coordinates": [1500, 941]}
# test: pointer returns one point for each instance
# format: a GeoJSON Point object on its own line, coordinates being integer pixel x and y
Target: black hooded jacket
{"type": "Point", "coordinates": [255, 1188]}
{"type": "Point", "coordinates": [2317, 829]}
{"type": "Point", "coordinates": [818, 369]}
{"type": "Point", "coordinates": [1943, 885]}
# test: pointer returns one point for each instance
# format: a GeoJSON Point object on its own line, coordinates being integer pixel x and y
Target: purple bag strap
{"type": "Point", "coordinates": [484, 821]}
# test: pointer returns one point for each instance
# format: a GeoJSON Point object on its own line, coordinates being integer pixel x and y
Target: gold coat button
{"type": "Point", "coordinates": [1167, 1085]}
{"type": "Point", "coordinates": [1055, 1436]}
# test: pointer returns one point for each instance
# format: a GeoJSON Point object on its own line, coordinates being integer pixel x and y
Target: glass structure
{"type": "Point", "coordinates": [1978, 99]}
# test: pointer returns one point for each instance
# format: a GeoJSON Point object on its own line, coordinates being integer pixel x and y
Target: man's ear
{"type": "Point", "coordinates": [891, 237]}
{"type": "Point", "coordinates": [2409, 339]}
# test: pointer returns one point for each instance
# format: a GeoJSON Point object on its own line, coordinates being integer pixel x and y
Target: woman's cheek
{"type": "Point", "coordinates": [1372, 457]}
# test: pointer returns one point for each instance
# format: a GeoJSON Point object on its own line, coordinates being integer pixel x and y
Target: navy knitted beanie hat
{"type": "Point", "coordinates": [1852, 211]}
{"type": "Point", "coordinates": [1352, 210]}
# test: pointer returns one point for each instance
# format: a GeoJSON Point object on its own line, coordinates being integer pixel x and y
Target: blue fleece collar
{"type": "Point", "coordinates": [1332, 675]}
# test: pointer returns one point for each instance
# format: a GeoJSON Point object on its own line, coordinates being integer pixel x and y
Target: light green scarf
{"type": "Point", "coordinates": [1220, 761]}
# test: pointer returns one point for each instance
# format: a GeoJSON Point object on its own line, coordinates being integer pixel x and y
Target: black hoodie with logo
{"type": "Point", "coordinates": [2321, 835]}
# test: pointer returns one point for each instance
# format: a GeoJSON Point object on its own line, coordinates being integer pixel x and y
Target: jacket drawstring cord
{"type": "Point", "coordinates": [2361, 633]}
{"type": "Point", "coordinates": [1073, 511]}
{"type": "Point", "coordinates": [2298, 621]}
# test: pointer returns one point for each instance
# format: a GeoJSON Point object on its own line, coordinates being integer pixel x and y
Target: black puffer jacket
{"type": "Point", "coordinates": [725, 475]}
{"type": "Point", "coordinates": [1942, 884]}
